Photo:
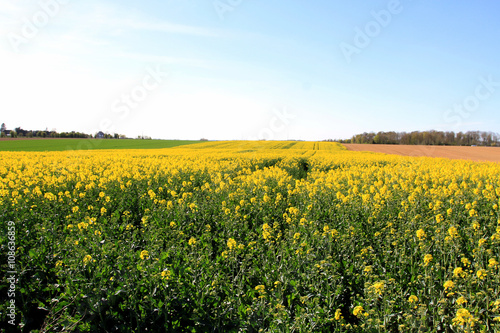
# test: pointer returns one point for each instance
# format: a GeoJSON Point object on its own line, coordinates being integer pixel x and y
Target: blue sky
{"type": "Point", "coordinates": [250, 69]}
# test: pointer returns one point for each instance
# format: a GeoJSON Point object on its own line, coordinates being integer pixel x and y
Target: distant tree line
{"type": "Point", "coordinates": [335, 140]}
{"type": "Point", "coordinates": [471, 138]}
{"type": "Point", "coordinates": [19, 132]}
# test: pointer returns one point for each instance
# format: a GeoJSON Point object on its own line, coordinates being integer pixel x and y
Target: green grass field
{"type": "Point", "coordinates": [87, 144]}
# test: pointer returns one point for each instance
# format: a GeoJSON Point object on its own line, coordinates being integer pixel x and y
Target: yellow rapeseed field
{"type": "Point", "coordinates": [252, 236]}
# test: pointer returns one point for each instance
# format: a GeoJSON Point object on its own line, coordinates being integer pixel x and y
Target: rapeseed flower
{"type": "Point", "coordinates": [87, 259]}
{"type": "Point", "coordinates": [421, 234]}
{"type": "Point", "coordinates": [358, 311]}
{"type": "Point", "coordinates": [413, 299]}
{"type": "Point", "coordinates": [231, 243]}
{"type": "Point", "coordinates": [453, 232]}
{"type": "Point", "coordinates": [459, 272]}
{"type": "Point", "coordinates": [481, 274]}
{"type": "Point", "coordinates": [492, 263]}
{"type": "Point", "coordinates": [338, 314]}
{"type": "Point", "coordinates": [144, 255]}
{"type": "Point", "coordinates": [427, 259]}
{"type": "Point", "coordinates": [448, 285]}
{"type": "Point", "coordinates": [378, 287]}
{"type": "Point", "coordinates": [464, 318]}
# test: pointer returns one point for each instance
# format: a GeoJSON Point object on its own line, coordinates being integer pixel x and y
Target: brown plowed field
{"type": "Point", "coordinates": [491, 154]}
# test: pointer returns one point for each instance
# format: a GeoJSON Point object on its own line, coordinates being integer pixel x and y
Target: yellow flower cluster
{"type": "Point", "coordinates": [144, 254]}
{"type": "Point", "coordinates": [464, 318]}
{"type": "Point", "coordinates": [384, 234]}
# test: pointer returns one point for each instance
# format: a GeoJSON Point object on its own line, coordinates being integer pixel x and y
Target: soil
{"type": "Point", "coordinates": [491, 154]}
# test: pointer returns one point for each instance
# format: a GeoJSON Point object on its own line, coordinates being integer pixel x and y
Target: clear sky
{"type": "Point", "coordinates": [250, 69]}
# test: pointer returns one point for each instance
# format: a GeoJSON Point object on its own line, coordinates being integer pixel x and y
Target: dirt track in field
{"type": "Point", "coordinates": [491, 154]}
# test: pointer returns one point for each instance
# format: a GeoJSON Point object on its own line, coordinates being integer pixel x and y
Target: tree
{"type": "Point", "coordinates": [430, 138]}
{"type": "Point", "coordinates": [19, 131]}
